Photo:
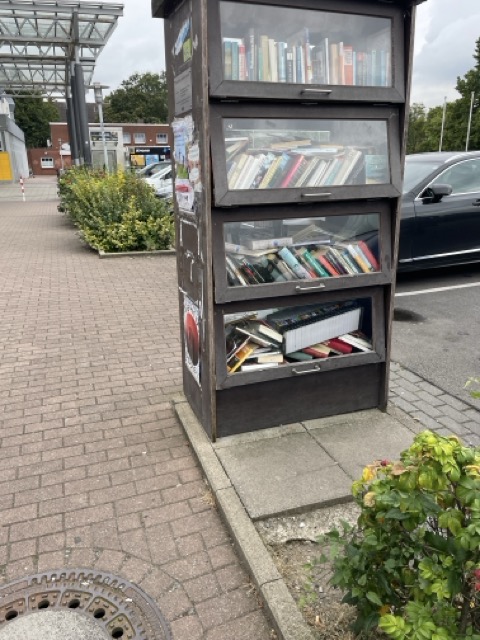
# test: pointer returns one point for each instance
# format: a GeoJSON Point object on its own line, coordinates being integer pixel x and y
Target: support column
{"type": "Point", "coordinates": [72, 132]}
{"type": "Point", "coordinates": [81, 113]}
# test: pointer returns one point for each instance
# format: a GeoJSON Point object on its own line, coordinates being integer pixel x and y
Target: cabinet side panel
{"type": "Point", "coordinates": [185, 45]}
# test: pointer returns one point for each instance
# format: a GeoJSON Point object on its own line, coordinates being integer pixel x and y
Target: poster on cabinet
{"type": "Point", "coordinates": [191, 336]}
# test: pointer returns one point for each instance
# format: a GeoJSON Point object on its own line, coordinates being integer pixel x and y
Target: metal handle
{"type": "Point", "coordinates": [319, 286]}
{"type": "Point", "coordinates": [300, 372]}
{"type": "Point", "coordinates": [321, 91]}
{"type": "Point", "coordinates": [316, 195]}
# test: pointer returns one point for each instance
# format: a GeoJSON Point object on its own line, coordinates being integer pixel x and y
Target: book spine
{"type": "Point", "coordinates": [332, 258]}
{"type": "Point", "coordinates": [353, 266]}
{"type": "Point", "coordinates": [314, 264]}
{"type": "Point", "coordinates": [348, 63]}
{"type": "Point", "coordinates": [265, 58]}
{"type": "Point", "coordinates": [227, 60]}
{"type": "Point", "coordinates": [268, 243]}
{"type": "Point", "coordinates": [369, 255]}
{"type": "Point", "coordinates": [299, 64]}
{"type": "Point", "coordinates": [242, 60]}
{"type": "Point", "coordinates": [235, 61]}
{"type": "Point", "coordinates": [327, 265]}
{"type": "Point", "coordinates": [339, 255]}
{"type": "Point", "coordinates": [270, 173]}
{"type": "Point", "coordinates": [291, 171]}
{"type": "Point", "coordinates": [282, 61]}
{"type": "Point", "coordinates": [252, 55]}
{"type": "Point", "coordinates": [274, 272]}
{"type": "Point", "coordinates": [277, 177]}
{"type": "Point", "coordinates": [308, 57]}
{"type": "Point", "coordinates": [293, 263]}
{"type": "Point", "coordinates": [232, 182]}
{"type": "Point", "coordinates": [312, 274]}
{"type": "Point", "coordinates": [290, 70]}
{"type": "Point", "coordinates": [272, 60]}
{"type": "Point", "coordinates": [283, 268]}
{"type": "Point", "coordinates": [359, 258]}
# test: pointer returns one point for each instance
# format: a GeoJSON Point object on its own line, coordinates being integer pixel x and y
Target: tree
{"type": "Point", "coordinates": [33, 115]}
{"type": "Point", "coordinates": [140, 98]}
{"type": "Point", "coordinates": [470, 83]}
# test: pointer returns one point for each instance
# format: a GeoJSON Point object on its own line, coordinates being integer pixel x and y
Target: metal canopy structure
{"type": "Point", "coordinates": [41, 40]}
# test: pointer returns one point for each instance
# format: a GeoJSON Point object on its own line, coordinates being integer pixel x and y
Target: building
{"type": "Point", "coordinates": [128, 144]}
{"type": "Point", "coordinates": [13, 153]}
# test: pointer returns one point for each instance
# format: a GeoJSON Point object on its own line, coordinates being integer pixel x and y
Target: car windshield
{"type": "Point", "coordinates": [416, 171]}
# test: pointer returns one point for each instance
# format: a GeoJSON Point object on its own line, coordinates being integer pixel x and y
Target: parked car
{"type": "Point", "coordinates": [152, 168]}
{"type": "Point", "coordinates": [440, 221]}
{"type": "Point", "coordinates": [162, 182]}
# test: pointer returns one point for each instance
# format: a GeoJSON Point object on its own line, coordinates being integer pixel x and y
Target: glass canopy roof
{"type": "Point", "coordinates": [39, 40]}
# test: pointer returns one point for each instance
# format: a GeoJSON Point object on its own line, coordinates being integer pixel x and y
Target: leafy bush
{"type": "Point", "coordinates": [116, 212]}
{"type": "Point", "coordinates": [411, 565]}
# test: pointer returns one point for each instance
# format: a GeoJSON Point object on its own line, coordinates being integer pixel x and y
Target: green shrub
{"type": "Point", "coordinates": [116, 212]}
{"type": "Point", "coordinates": [411, 565]}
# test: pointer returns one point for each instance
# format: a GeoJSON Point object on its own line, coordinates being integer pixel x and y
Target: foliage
{"type": "Point", "coordinates": [33, 115]}
{"type": "Point", "coordinates": [140, 98]}
{"type": "Point", "coordinates": [116, 212]}
{"type": "Point", "coordinates": [411, 565]}
{"type": "Point", "coordinates": [425, 127]}
{"type": "Point", "coordinates": [475, 393]}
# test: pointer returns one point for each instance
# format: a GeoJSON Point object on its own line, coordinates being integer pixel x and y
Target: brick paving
{"type": "Point", "coordinates": [95, 470]}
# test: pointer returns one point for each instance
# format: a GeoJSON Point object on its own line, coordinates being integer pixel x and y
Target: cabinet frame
{"type": "Point", "coordinates": [299, 288]}
{"type": "Point", "coordinates": [247, 401]}
{"type": "Point", "coordinates": [257, 90]}
{"type": "Point", "coordinates": [308, 368]}
{"type": "Point", "coordinates": [225, 197]}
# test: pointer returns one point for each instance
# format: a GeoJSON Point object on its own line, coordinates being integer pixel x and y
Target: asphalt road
{"type": "Point", "coordinates": [436, 330]}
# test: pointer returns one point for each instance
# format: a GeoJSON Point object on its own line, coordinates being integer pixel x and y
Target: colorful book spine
{"type": "Point", "coordinates": [282, 61]}
{"type": "Point", "coordinates": [318, 268]}
{"type": "Point", "coordinates": [369, 255]}
{"type": "Point", "coordinates": [287, 180]}
{"type": "Point", "coordinates": [227, 60]}
{"type": "Point", "coordinates": [294, 264]}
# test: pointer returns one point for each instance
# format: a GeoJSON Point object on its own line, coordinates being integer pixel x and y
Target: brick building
{"type": "Point", "coordinates": [127, 143]}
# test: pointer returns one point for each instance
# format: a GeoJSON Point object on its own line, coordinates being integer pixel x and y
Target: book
{"type": "Point", "coordinates": [265, 67]}
{"type": "Point", "coordinates": [327, 265]}
{"type": "Point", "coordinates": [239, 357]}
{"type": "Point", "coordinates": [339, 345]}
{"type": "Point", "coordinates": [282, 267]}
{"type": "Point", "coordinates": [299, 355]}
{"type": "Point", "coordinates": [303, 326]}
{"type": "Point", "coordinates": [348, 63]}
{"type": "Point", "coordinates": [236, 271]}
{"type": "Point", "coordinates": [272, 60]}
{"type": "Point", "coordinates": [317, 267]}
{"type": "Point", "coordinates": [294, 264]}
{"type": "Point", "coordinates": [318, 350]}
{"type": "Point", "coordinates": [282, 61]}
{"type": "Point", "coordinates": [241, 160]}
{"type": "Point", "coordinates": [227, 60]}
{"type": "Point", "coordinates": [251, 330]}
{"type": "Point", "coordinates": [259, 240]}
{"type": "Point", "coordinates": [357, 340]}
{"type": "Point", "coordinates": [297, 161]}
{"type": "Point", "coordinates": [289, 64]}
{"type": "Point", "coordinates": [252, 55]}
{"type": "Point", "coordinates": [362, 245]}
{"type": "Point", "coordinates": [359, 258]}
{"type": "Point", "coordinates": [276, 274]}
{"type": "Point", "coordinates": [308, 56]}
{"type": "Point", "coordinates": [269, 332]}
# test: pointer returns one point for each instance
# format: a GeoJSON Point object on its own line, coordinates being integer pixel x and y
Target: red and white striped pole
{"type": "Point", "coordinates": [23, 189]}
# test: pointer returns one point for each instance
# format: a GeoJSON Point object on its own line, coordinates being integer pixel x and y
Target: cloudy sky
{"type": "Point", "coordinates": [446, 32]}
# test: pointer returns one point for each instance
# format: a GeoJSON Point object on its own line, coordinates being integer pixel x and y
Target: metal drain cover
{"type": "Point", "coordinates": [105, 606]}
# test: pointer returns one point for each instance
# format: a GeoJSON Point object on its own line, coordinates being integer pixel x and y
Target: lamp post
{"type": "Point", "coordinates": [97, 89]}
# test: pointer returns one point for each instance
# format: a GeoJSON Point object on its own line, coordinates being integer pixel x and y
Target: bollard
{"type": "Point", "coordinates": [23, 189]}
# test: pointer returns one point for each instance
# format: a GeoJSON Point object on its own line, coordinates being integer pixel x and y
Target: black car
{"type": "Point", "coordinates": [440, 222]}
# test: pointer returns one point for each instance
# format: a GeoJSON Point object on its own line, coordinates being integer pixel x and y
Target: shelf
{"type": "Point", "coordinates": [262, 343]}
{"type": "Point", "coordinates": [293, 155]}
{"type": "Point", "coordinates": [266, 256]}
{"type": "Point", "coordinates": [318, 52]}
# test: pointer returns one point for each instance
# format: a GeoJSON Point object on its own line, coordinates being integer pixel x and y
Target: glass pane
{"type": "Point", "coordinates": [278, 44]}
{"type": "Point", "coordinates": [279, 153]}
{"type": "Point", "coordinates": [277, 337]}
{"type": "Point", "coordinates": [263, 252]}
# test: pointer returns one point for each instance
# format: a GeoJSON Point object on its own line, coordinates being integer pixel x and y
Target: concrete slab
{"type": "Point", "coordinates": [53, 625]}
{"type": "Point", "coordinates": [357, 439]}
{"type": "Point", "coordinates": [285, 474]}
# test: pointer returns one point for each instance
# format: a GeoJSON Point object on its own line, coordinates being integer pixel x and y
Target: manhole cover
{"type": "Point", "coordinates": [114, 607]}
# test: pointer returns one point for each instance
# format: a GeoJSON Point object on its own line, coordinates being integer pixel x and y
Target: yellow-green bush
{"type": "Point", "coordinates": [116, 212]}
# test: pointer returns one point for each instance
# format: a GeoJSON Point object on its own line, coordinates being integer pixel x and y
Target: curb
{"type": "Point", "coordinates": [136, 254]}
{"type": "Point", "coordinates": [281, 607]}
